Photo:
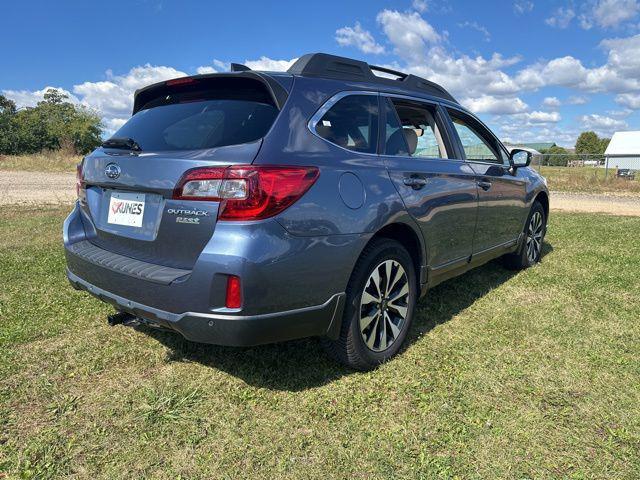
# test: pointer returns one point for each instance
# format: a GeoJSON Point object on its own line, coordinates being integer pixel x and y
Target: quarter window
{"type": "Point", "coordinates": [352, 123]}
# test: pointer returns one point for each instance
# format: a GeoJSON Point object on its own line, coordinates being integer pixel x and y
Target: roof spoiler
{"type": "Point", "coordinates": [324, 65]}
{"type": "Point", "coordinates": [143, 95]}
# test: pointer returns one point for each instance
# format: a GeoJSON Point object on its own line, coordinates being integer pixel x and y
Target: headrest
{"type": "Point", "coordinates": [412, 139]}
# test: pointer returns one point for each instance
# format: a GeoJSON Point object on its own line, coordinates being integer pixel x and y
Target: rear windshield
{"type": "Point", "coordinates": [191, 117]}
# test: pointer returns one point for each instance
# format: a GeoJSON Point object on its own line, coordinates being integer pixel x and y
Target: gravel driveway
{"type": "Point", "coordinates": [38, 188]}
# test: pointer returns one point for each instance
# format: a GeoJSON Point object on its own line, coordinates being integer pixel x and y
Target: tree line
{"type": "Point", "coordinates": [54, 123]}
{"type": "Point", "coordinates": [588, 143]}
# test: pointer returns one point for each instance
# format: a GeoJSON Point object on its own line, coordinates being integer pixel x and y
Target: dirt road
{"type": "Point", "coordinates": [595, 203]}
{"type": "Point", "coordinates": [35, 188]}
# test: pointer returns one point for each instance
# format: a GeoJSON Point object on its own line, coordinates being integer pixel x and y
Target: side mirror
{"type": "Point", "coordinates": [521, 158]}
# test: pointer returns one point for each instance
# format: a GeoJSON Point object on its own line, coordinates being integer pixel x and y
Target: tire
{"type": "Point", "coordinates": [373, 326]}
{"type": "Point", "coordinates": [530, 250]}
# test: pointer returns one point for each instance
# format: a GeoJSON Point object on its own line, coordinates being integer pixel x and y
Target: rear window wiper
{"type": "Point", "coordinates": [124, 143]}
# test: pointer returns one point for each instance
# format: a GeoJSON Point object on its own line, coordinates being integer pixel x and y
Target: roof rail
{"type": "Point", "coordinates": [324, 65]}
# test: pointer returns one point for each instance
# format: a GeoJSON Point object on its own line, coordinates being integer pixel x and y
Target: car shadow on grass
{"type": "Point", "coordinates": [302, 364]}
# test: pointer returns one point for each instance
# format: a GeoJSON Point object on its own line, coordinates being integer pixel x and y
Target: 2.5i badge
{"type": "Point", "coordinates": [188, 216]}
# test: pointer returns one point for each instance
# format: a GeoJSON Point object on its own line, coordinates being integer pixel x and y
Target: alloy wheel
{"type": "Point", "coordinates": [384, 305]}
{"type": "Point", "coordinates": [534, 237]}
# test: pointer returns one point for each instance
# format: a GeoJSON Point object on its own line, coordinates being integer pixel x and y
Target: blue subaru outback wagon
{"type": "Point", "coordinates": [251, 207]}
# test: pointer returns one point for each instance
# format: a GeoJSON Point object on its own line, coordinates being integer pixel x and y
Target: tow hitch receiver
{"type": "Point", "coordinates": [121, 318]}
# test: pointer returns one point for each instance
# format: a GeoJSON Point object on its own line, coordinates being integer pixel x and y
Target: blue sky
{"type": "Point", "coordinates": [532, 69]}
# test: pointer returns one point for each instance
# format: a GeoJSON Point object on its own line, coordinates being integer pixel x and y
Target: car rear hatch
{"type": "Point", "coordinates": [127, 194]}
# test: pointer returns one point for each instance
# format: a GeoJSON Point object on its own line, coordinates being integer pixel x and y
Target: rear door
{"type": "Point", "coordinates": [438, 190]}
{"type": "Point", "coordinates": [501, 206]}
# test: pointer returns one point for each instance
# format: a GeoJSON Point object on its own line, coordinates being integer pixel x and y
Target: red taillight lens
{"type": "Point", "coordinates": [247, 192]}
{"type": "Point", "coordinates": [234, 292]}
{"type": "Point", "coordinates": [180, 81]}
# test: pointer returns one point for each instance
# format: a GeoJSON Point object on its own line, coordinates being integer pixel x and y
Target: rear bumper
{"type": "Point", "coordinates": [231, 330]}
{"type": "Point", "coordinates": [292, 287]}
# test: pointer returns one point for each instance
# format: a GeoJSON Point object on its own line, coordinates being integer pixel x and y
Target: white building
{"type": "Point", "coordinates": [623, 151]}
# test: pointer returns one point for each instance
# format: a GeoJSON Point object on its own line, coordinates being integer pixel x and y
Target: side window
{"type": "Point", "coordinates": [477, 146]}
{"type": "Point", "coordinates": [418, 130]}
{"type": "Point", "coordinates": [352, 123]}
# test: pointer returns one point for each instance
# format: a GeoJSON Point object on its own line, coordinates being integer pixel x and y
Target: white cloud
{"type": "Point", "coordinates": [601, 124]}
{"type": "Point", "coordinates": [495, 105]}
{"type": "Point", "coordinates": [561, 17]}
{"type": "Point", "coordinates": [269, 65]}
{"type": "Point", "coordinates": [630, 100]}
{"type": "Point", "coordinates": [476, 26]}
{"type": "Point", "coordinates": [520, 7]}
{"type": "Point", "coordinates": [420, 5]}
{"type": "Point", "coordinates": [357, 37]}
{"type": "Point", "coordinates": [543, 117]}
{"type": "Point", "coordinates": [408, 32]}
{"type": "Point", "coordinates": [577, 100]}
{"type": "Point", "coordinates": [551, 102]}
{"type": "Point", "coordinates": [28, 98]}
{"type": "Point", "coordinates": [205, 70]}
{"type": "Point", "coordinates": [611, 13]}
{"type": "Point", "coordinates": [566, 71]}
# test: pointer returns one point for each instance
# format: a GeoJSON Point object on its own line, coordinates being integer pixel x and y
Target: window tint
{"type": "Point", "coordinates": [199, 124]}
{"type": "Point", "coordinates": [417, 131]}
{"type": "Point", "coordinates": [476, 146]}
{"type": "Point", "coordinates": [352, 123]}
{"type": "Point", "coordinates": [395, 142]}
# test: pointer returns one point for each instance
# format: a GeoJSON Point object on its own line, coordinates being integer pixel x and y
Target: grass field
{"type": "Point", "coordinates": [588, 179]}
{"type": "Point", "coordinates": [55, 161]}
{"type": "Point", "coordinates": [528, 375]}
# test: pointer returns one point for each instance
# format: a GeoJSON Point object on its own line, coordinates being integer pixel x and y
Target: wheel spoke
{"type": "Point", "coordinates": [403, 291]}
{"type": "Point", "coordinates": [367, 298]}
{"type": "Point", "coordinates": [383, 333]}
{"type": "Point", "coordinates": [397, 277]}
{"type": "Point", "coordinates": [373, 333]}
{"type": "Point", "coordinates": [366, 321]}
{"type": "Point", "coordinates": [395, 331]}
{"type": "Point", "coordinates": [388, 266]}
{"type": "Point", "coordinates": [402, 311]}
{"type": "Point", "coordinates": [375, 276]}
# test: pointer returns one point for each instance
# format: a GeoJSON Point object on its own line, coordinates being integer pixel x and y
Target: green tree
{"type": "Point", "coordinates": [555, 157]}
{"type": "Point", "coordinates": [52, 124]}
{"type": "Point", "coordinates": [588, 143]}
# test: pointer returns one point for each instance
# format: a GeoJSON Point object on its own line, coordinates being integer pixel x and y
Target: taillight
{"type": "Point", "coordinates": [79, 181]}
{"type": "Point", "coordinates": [247, 192]}
{"type": "Point", "coordinates": [234, 292]}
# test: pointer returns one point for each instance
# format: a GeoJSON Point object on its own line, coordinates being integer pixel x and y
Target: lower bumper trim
{"type": "Point", "coordinates": [231, 330]}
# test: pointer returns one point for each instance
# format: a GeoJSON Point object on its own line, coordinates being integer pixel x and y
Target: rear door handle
{"type": "Point", "coordinates": [484, 185]}
{"type": "Point", "coordinates": [415, 182]}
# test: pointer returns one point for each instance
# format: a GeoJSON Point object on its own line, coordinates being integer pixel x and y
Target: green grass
{"type": "Point", "coordinates": [528, 375]}
{"type": "Point", "coordinates": [588, 179]}
{"type": "Point", "coordinates": [53, 161]}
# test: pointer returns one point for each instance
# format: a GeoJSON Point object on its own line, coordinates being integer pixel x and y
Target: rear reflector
{"type": "Point", "coordinates": [247, 192]}
{"type": "Point", "coordinates": [234, 292]}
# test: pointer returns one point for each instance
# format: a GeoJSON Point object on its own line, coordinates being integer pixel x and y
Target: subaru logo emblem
{"type": "Point", "coordinates": [112, 171]}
